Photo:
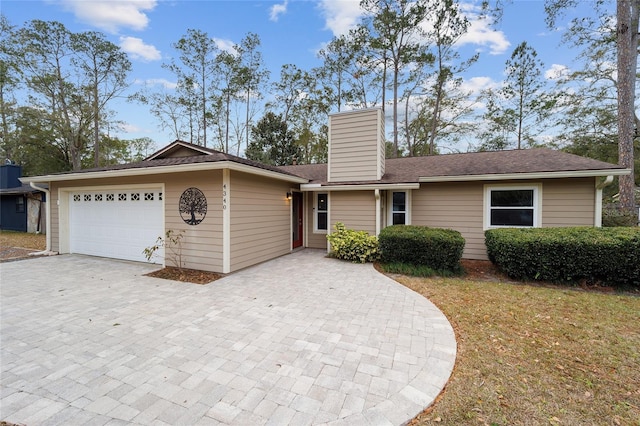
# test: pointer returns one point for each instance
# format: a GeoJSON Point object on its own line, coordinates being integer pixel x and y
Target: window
{"type": "Point", "coordinates": [321, 211]}
{"type": "Point", "coordinates": [398, 208]}
{"type": "Point", "coordinates": [20, 204]}
{"type": "Point", "coordinates": [514, 206]}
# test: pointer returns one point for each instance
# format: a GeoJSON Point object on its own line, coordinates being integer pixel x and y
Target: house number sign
{"type": "Point", "coordinates": [224, 196]}
{"type": "Point", "coordinates": [193, 206]}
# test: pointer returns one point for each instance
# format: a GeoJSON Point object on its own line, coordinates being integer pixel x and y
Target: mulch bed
{"type": "Point", "coordinates": [185, 275]}
{"type": "Point", "coordinates": [8, 254]}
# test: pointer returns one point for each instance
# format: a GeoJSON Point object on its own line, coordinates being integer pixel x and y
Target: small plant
{"type": "Point", "coordinates": [354, 246]}
{"type": "Point", "coordinates": [172, 243]}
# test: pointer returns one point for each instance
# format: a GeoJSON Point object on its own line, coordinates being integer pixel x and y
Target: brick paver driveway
{"type": "Point", "coordinates": [298, 340]}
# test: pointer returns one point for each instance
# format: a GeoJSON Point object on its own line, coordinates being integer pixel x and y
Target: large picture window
{"type": "Point", "coordinates": [516, 206]}
{"type": "Point", "coordinates": [321, 209]}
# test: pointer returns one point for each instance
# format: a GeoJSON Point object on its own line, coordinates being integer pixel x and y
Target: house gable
{"type": "Point", "coordinates": [178, 149]}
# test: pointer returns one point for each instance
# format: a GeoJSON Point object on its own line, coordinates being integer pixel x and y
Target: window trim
{"type": "Point", "coordinates": [407, 212]}
{"type": "Point", "coordinates": [21, 205]}
{"type": "Point", "coordinates": [537, 203]}
{"type": "Point", "coordinates": [316, 211]}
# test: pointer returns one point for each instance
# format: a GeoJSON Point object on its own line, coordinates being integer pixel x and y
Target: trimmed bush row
{"type": "Point", "coordinates": [438, 249]}
{"type": "Point", "coordinates": [608, 255]}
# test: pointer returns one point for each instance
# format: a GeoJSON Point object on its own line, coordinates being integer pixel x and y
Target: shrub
{"type": "Point", "coordinates": [438, 249]}
{"type": "Point", "coordinates": [608, 255]}
{"type": "Point", "coordinates": [354, 246]}
{"type": "Point", "coordinates": [612, 217]}
{"type": "Point", "coordinates": [172, 243]}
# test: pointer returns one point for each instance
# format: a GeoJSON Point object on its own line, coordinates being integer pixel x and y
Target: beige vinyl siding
{"type": "Point", "coordinates": [260, 219]}
{"type": "Point", "coordinates": [455, 206]}
{"type": "Point", "coordinates": [568, 202]}
{"type": "Point", "coordinates": [314, 239]}
{"type": "Point", "coordinates": [354, 142]}
{"type": "Point", "coordinates": [202, 243]}
{"type": "Point", "coordinates": [459, 206]}
{"type": "Point", "coordinates": [356, 209]}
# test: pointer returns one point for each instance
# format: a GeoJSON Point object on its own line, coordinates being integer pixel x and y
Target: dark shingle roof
{"type": "Point", "coordinates": [213, 157]}
{"type": "Point", "coordinates": [411, 169]}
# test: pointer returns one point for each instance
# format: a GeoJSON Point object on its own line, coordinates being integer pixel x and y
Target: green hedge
{"type": "Point", "coordinates": [438, 249]}
{"type": "Point", "coordinates": [354, 246]}
{"type": "Point", "coordinates": [607, 255]}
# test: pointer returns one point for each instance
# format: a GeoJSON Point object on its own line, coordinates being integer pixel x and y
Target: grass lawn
{"type": "Point", "coordinates": [536, 355]}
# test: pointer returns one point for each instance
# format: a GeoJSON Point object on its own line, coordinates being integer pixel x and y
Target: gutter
{"type": "Point", "coordinates": [597, 217]}
{"type": "Point", "coordinates": [528, 175]}
{"type": "Point", "coordinates": [47, 251]}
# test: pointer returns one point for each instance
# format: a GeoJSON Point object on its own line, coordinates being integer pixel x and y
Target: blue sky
{"type": "Point", "coordinates": [291, 32]}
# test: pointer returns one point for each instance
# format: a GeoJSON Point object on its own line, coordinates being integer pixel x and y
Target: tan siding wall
{"type": "Point", "coordinates": [202, 243]}
{"type": "Point", "coordinates": [455, 206]}
{"type": "Point", "coordinates": [260, 219]}
{"type": "Point", "coordinates": [314, 240]}
{"type": "Point", "coordinates": [459, 206]}
{"type": "Point", "coordinates": [353, 146]}
{"type": "Point", "coordinates": [356, 209]}
{"type": "Point", "coordinates": [568, 202]}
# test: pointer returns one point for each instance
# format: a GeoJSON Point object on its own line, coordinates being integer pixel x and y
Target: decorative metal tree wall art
{"type": "Point", "coordinates": [193, 206]}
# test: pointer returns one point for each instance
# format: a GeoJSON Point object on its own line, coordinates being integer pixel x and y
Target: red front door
{"type": "Point", "coordinates": [296, 219]}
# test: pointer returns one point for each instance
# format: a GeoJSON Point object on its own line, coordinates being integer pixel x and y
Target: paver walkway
{"type": "Point", "coordinates": [302, 339]}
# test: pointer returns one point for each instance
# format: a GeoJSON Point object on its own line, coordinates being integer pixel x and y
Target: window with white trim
{"type": "Point", "coordinates": [512, 206]}
{"type": "Point", "coordinates": [398, 208]}
{"type": "Point", "coordinates": [321, 211]}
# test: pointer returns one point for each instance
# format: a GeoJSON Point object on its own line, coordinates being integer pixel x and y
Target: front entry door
{"type": "Point", "coordinates": [296, 219]}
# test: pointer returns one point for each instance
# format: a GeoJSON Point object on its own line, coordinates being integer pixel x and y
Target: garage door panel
{"type": "Point", "coordinates": [115, 223]}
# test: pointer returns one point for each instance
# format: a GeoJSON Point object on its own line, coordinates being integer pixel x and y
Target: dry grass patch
{"type": "Point", "coordinates": [23, 240]}
{"type": "Point", "coordinates": [532, 355]}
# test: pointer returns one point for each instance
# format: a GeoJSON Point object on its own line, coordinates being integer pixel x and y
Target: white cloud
{"type": "Point", "coordinates": [277, 10]}
{"type": "Point", "coordinates": [137, 49]}
{"type": "Point", "coordinates": [110, 16]}
{"type": "Point", "coordinates": [340, 15]}
{"type": "Point", "coordinates": [475, 85]}
{"type": "Point", "coordinates": [157, 82]}
{"type": "Point", "coordinates": [481, 33]}
{"type": "Point", "coordinates": [226, 45]}
{"type": "Point", "coordinates": [556, 71]}
{"type": "Point", "coordinates": [130, 128]}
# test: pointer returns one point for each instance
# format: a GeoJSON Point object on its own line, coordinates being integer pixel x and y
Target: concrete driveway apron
{"type": "Point", "coordinates": [302, 339]}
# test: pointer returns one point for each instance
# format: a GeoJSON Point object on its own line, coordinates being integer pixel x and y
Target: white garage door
{"type": "Point", "coordinates": [115, 223]}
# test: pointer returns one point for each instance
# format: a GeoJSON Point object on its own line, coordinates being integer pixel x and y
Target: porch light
{"type": "Point", "coordinates": [289, 195]}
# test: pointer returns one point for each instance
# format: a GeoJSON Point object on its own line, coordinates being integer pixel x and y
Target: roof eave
{"type": "Point", "coordinates": [358, 187]}
{"type": "Point", "coordinates": [530, 175]}
{"type": "Point", "coordinates": [178, 168]}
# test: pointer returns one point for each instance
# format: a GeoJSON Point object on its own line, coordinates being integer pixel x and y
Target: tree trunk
{"type": "Point", "coordinates": [627, 42]}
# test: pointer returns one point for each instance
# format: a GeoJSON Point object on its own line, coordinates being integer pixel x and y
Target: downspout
{"type": "Point", "coordinates": [598, 213]}
{"type": "Point", "coordinates": [47, 250]}
{"type": "Point", "coordinates": [377, 195]}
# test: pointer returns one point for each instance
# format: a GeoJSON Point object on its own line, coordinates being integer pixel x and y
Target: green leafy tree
{"type": "Point", "coordinates": [46, 53]}
{"type": "Point", "coordinates": [273, 143]}
{"type": "Point", "coordinates": [396, 33]}
{"type": "Point", "coordinates": [197, 79]}
{"type": "Point", "coordinates": [104, 68]}
{"type": "Point", "coordinates": [625, 38]}
{"type": "Point", "coordinates": [522, 104]}
{"type": "Point", "coordinates": [252, 77]}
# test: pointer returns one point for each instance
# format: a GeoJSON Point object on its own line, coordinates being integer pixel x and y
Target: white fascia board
{"type": "Point", "coordinates": [143, 171]}
{"type": "Point", "coordinates": [521, 176]}
{"type": "Point", "coordinates": [365, 187]}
